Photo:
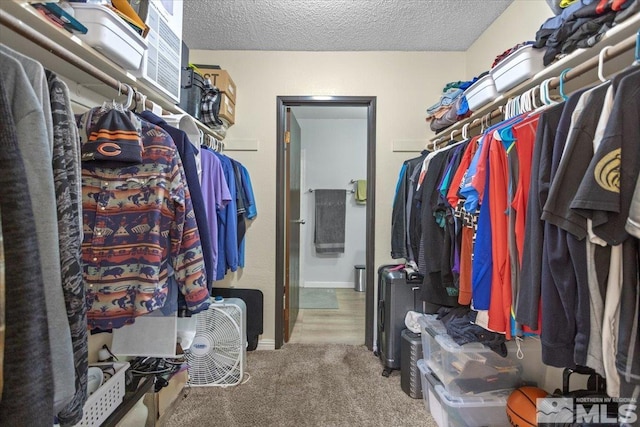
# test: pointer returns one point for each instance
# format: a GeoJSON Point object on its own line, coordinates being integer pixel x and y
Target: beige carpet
{"type": "Point", "coordinates": [306, 385]}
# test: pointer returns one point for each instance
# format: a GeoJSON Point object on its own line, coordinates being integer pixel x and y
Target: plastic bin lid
{"type": "Point", "coordinates": [480, 82]}
{"type": "Point", "coordinates": [359, 266]}
{"type": "Point", "coordinates": [427, 372]}
{"type": "Point", "coordinates": [448, 344]}
{"type": "Point", "coordinates": [431, 324]}
{"type": "Point", "coordinates": [489, 398]}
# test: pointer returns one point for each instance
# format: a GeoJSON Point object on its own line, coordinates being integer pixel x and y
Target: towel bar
{"type": "Point", "coordinates": [348, 191]}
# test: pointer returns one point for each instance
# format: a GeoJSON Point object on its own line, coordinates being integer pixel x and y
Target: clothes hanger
{"type": "Point", "coordinates": [637, 54]}
{"type": "Point", "coordinates": [525, 102]}
{"type": "Point", "coordinates": [106, 106]}
{"type": "Point", "coordinates": [507, 109]}
{"type": "Point", "coordinates": [143, 101]}
{"type": "Point", "coordinates": [544, 97]}
{"type": "Point", "coordinates": [487, 118]}
{"type": "Point", "coordinates": [561, 86]}
{"type": "Point", "coordinates": [533, 97]}
{"type": "Point", "coordinates": [465, 131]}
{"type": "Point", "coordinates": [434, 144]}
{"type": "Point", "coordinates": [601, 55]}
{"type": "Point", "coordinates": [201, 138]}
{"type": "Point", "coordinates": [129, 101]}
{"type": "Point", "coordinates": [451, 138]}
{"type": "Point", "coordinates": [135, 100]}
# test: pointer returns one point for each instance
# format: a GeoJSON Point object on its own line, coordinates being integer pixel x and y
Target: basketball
{"type": "Point", "coordinates": [521, 406]}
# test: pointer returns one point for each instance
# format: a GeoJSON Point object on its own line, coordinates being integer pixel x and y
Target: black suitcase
{"type": "Point", "coordinates": [396, 296]}
{"type": "Point", "coordinates": [410, 353]}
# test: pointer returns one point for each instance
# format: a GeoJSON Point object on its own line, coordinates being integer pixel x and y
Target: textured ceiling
{"type": "Point", "coordinates": [338, 25]}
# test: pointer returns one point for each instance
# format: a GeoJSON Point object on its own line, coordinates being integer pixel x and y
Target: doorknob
{"type": "Point", "coordinates": [298, 221]}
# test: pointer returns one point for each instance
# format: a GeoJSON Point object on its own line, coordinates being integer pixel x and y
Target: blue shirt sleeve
{"type": "Point", "coordinates": [482, 263]}
{"type": "Point", "coordinates": [228, 225]}
{"type": "Point", "coordinates": [252, 210]}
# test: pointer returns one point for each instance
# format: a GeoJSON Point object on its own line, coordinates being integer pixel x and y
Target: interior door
{"type": "Point", "coordinates": [293, 137]}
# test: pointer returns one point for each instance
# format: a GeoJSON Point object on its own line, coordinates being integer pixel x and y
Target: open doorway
{"type": "Point", "coordinates": [333, 155]}
{"type": "Point", "coordinates": [296, 264]}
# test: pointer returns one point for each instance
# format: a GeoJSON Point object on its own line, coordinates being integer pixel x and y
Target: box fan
{"type": "Point", "coordinates": [217, 354]}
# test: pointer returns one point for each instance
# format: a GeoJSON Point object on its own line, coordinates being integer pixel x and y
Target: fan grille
{"type": "Point", "coordinates": [216, 354]}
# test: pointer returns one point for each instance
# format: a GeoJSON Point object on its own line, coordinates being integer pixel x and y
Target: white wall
{"type": "Point", "coordinates": [334, 153]}
{"type": "Point", "coordinates": [405, 84]}
{"type": "Point", "coordinates": [518, 23]}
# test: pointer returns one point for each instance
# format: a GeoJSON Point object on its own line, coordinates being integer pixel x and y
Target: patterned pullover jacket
{"type": "Point", "coordinates": [139, 226]}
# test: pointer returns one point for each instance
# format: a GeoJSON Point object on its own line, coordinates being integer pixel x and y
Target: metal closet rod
{"type": "Point", "coordinates": [575, 72]}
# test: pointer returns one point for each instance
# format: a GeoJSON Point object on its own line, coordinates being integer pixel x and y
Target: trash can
{"type": "Point", "coordinates": [360, 283]}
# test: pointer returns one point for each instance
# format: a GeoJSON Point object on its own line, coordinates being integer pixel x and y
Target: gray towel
{"type": "Point", "coordinates": [330, 220]}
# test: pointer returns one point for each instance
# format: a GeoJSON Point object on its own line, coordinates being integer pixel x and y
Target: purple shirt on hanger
{"type": "Point", "coordinates": [216, 195]}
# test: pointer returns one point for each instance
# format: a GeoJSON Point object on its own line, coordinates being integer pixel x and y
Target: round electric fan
{"type": "Point", "coordinates": [216, 356]}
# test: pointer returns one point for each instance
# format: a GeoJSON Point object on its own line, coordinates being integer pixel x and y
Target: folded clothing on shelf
{"type": "Point", "coordinates": [453, 113]}
{"type": "Point", "coordinates": [447, 98]}
{"type": "Point", "coordinates": [580, 25]}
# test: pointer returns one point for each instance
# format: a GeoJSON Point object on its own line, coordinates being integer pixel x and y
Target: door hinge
{"type": "Point", "coordinates": [287, 137]}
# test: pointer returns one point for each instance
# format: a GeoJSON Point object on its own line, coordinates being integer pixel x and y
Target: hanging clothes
{"type": "Point", "coordinates": [527, 310]}
{"type": "Point", "coordinates": [605, 196]}
{"type": "Point", "coordinates": [188, 152]}
{"type": "Point", "coordinates": [28, 387]}
{"type": "Point", "coordinates": [406, 186]}
{"type": "Point", "coordinates": [138, 221]}
{"type": "Point", "coordinates": [35, 147]}
{"type": "Point", "coordinates": [67, 180]}
{"type": "Point", "coordinates": [251, 210]}
{"type": "Point", "coordinates": [467, 223]}
{"type": "Point", "coordinates": [215, 192]}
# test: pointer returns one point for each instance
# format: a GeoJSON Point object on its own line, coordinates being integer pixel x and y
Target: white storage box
{"type": "Point", "coordinates": [106, 398]}
{"type": "Point", "coordinates": [487, 410]}
{"type": "Point", "coordinates": [162, 61]}
{"type": "Point", "coordinates": [521, 65]}
{"type": "Point", "coordinates": [429, 326]}
{"type": "Point", "coordinates": [482, 92]}
{"type": "Point", "coordinates": [110, 35]}
{"type": "Point", "coordinates": [471, 368]}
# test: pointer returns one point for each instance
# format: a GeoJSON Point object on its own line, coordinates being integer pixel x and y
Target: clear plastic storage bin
{"type": "Point", "coordinates": [471, 368]}
{"type": "Point", "coordinates": [486, 410]}
{"type": "Point", "coordinates": [429, 326]}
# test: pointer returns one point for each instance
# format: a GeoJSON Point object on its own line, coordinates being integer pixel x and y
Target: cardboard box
{"type": "Point", "coordinates": [227, 109]}
{"type": "Point", "coordinates": [220, 79]}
